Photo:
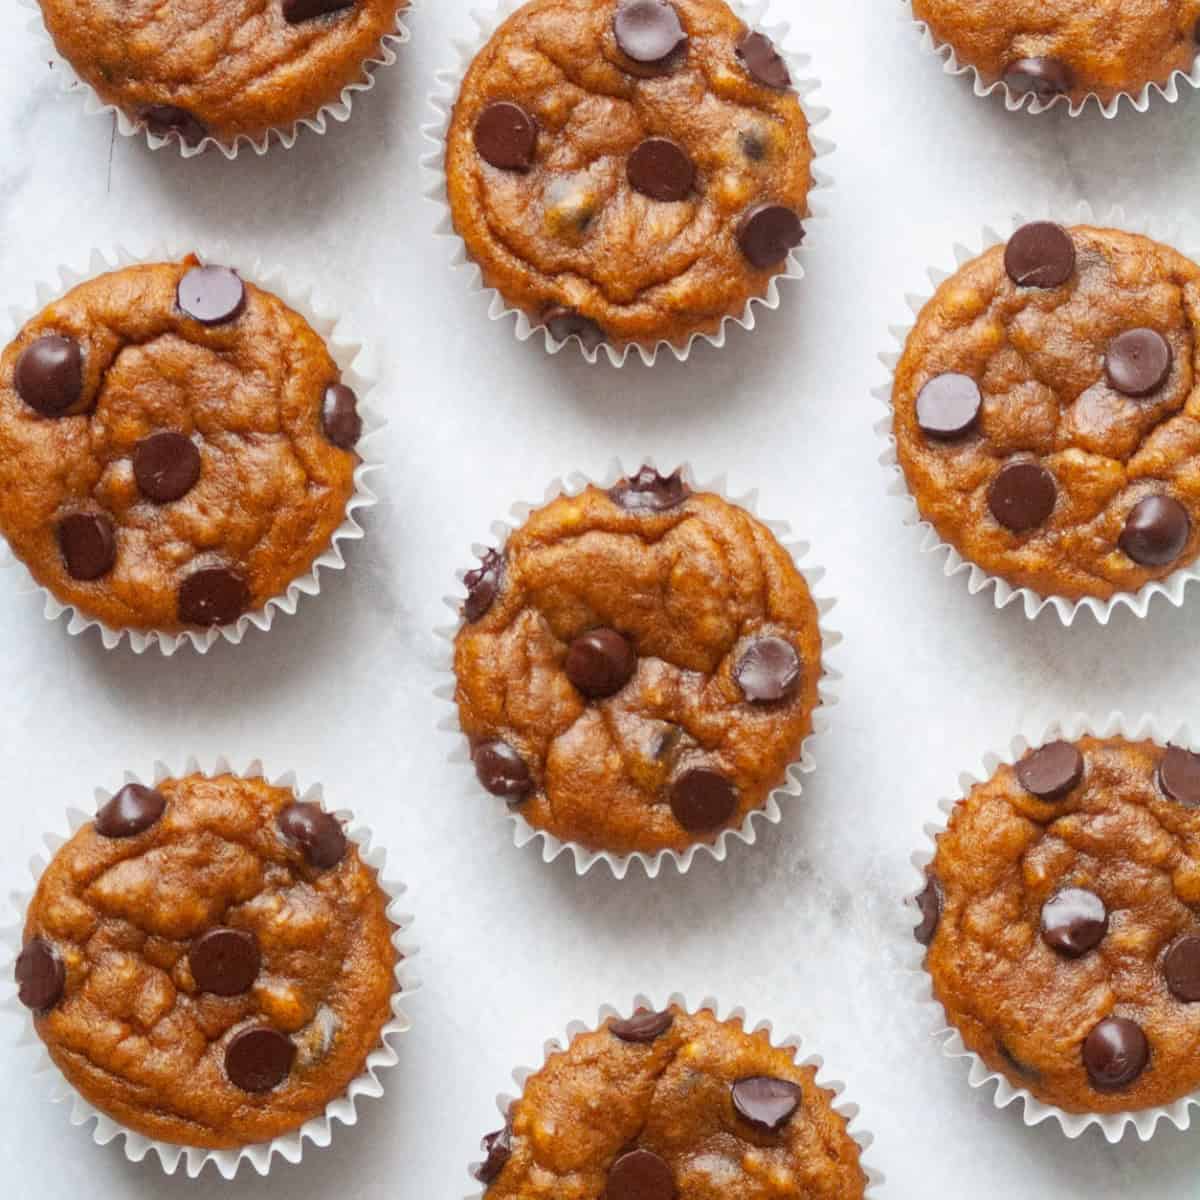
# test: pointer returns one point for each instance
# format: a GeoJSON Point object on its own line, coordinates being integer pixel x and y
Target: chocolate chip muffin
{"type": "Point", "coordinates": [673, 1106]}
{"type": "Point", "coordinates": [1046, 411]}
{"type": "Point", "coordinates": [1060, 915]}
{"type": "Point", "coordinates": [209, 962]}
{"type": "Point", "coordinates": [637, 667]}
{"type": "Point", "coordinates": [1052, 48]}
{"type": "Point", "coordinates": [225, 69]}
{"type": "Point", "coordinates": [176, 447]}
{"type": "Point", "coordinates": [628, 172]}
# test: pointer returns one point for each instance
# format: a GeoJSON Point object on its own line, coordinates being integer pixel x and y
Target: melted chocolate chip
{"type": "Point", "coordinates": [1138, 361]}
{"type": "Point", "coordinates": [566, 323]}
{"type": "Point", "coordinates": [1074, 921]}
{"type": "Point", "coordinates": [497, 1149]}
{"type": "Point", "coordinates": [1179, 776]}
{"type": "Point", "coordinates": [318, 834]}
{"type": "Point", "coordinates": [339, 416]}
{"type": "Point", "coordinates": [600, 662]}
{"type": "Point", "coordinates": [49, 375]}
{"type": "Point", "coordinates": [225, 961]}
{"type": "Point", "coordinates": [648, 31]}
{"type": "Point", "coordinates": [948, 405]}
{"type": "Point", "coordinates": [88, 544]}
{"type": "Point", "coordinates": [661, 169]}
{"type": "Point", "coordinates": [1051, 771]}
{"type": "Point", "coordinates": [765, 1102]}
{"type": "Point", "coordinates": [259, 1058]}
{"type": "Point", "coordinates": [1156, 531]}
{"type": "Point", "coordinates": [1022, 496]}
{"type": "Point", "coordinates": [295, 11]}
{"type": "Point", "coordinates": [930, 901]}
{"type": "Point", "coordinates": [505, 136]}
{"type": "Point", "coordinates": [768, 670]}
{"type": "Point", "coordinates": [1115, 1053]}
{"type": "Point", "coordinates": [1181, 968]}
{"type": "Point", "coordinates": [130, 811]}
{"type": "Point", "coordinates": [40, 975]}
{"type": "Point", "coordinates": [752, 145]}
{"type": "Point", "coordinates": [1040, 255]}
{"type": "Point", "coordinates": [502, 771]}
{"type": "Point", "coordinates": [212, 596]}
{"type": "Point", "coordinates": [166, 466]}
{"type": "Point", "coordinates": [640, 1175]}
{"type": "Point", "coordinates": [767, 232]}
{"type": "Point", "coordinates": [650, 491]}
{"type": "Point", "coordinates": [211, 295]}
{"type": "Point", "coordinates": [643, 1027]}
{"type": "Point", "coordinates": [702, 799]}
{"type": "Point", "coordinates": [168, 120]}
{"type": "Point", "coordinates": [763, 61]}
{"type": "Point", "coordinates": [1044, 78]}
{"type": "Point", "coordinates": [483, 585]}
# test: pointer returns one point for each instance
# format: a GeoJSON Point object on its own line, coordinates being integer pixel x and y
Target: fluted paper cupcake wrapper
{"type": "Point", "coordinates": [844, 1108]}
{"type": "Point", "coordinates": [1173, 586]}
{"type": "Point", "coordinates": [260, 1156]}
{"type": "Point", "coordinates": [1144, 1121]}
{"type": "Point", "coordinates": [771, 812]}
{"type": "Point", "coordinates": [285, 136]}
{"type": "Point", "coordinates": [343, 347]}
{"type": "Point", "coordinates": [443, 100]}
{"type": "Point", "coordinates": [1139, 101]}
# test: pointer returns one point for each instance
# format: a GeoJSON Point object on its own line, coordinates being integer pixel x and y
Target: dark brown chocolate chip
{"type": "Point", "coordinates": [648, 30]}
{"type": "Point", "coordinates": [767, 232]}
{"type": "Point", "coordinates": [948, 405]}
{"type": "Point", "coordinates": [88, 544]}
{"type": "Point", "coordinates": [1115, 1053]}
{"type": "Point", "coordinates": [130, 811]}
{"type": "Point", "coordinates": [339, 416]}
{"type": "Point", "coordinates": [212, 596]}
{"type": "Point", "coordinates": [1156, 531]}
{"type": "Point", "coordinates": [640, 1175]}
{"type": "Point", "coordinates": [483, 585]}
{"type": "Point", "coordinates": [1021, 1068]}
{"type": "Point", "coordinates": [702, 799]}
{"type": "Point", "coordinates": [211, 295]}
{"type": "Point", "coordinates": [1040, 254]}
{"type": "Point", "coordinates": [1074, 921]}
{"type": "Point", "coordinates": [166, 466]}
{"type": "Point", "coordinates": [1181, 968]}
{"type": "Point", "coordinates": [49, 375]}
{"type": "Point", "coordinates": [752, 145]}
{"type": "Point", "coordinates": [259, 1058]}
{"type": "Point", "coordinates": [1022, 495]}
{"type": "Point", "coordinates": [565, 323]}
{"type": "Point", "coordinates": [167, 120]}
{"type": "Point", "coordinates": [225, 961]}
{"type": "Point", "coordinates": [497, 1149]}
{"type": "Point", "coordinates": [1179, 776]}
{"type": "Point", "coordinates": [502, 771]}
{"type": "Point", "coordinates": [650, 491]}
{"type": "Point", "coordinates": [295, 11]}
{"type": "Point", "coordinates": [600, 662]}
{"type": "Point", "coordinates": [40, 975]}
{"type": "Point", "coordinates": [1044, 78]}
{"type": "Point", "coordinates": [768, 670]}
{"type": "Point", "coordinates": [505, 136]}
{"type": "Point", "coordinates": [763, 61]}
{"type": "Point", "coordinates": [643, 1027]}
{"type": "Point", "coordinates": [661, 169]}
{"type": "Point", "coordinates": [930, 901]}
{"type": "Point", "coordinates": [318, 833]}
{"type": "Point", "coordinates": [767, 1103]}
{"type": "Point", "coordinates": [1051, 771]}
{"type": "Point", "coordinates": [1138, 361]}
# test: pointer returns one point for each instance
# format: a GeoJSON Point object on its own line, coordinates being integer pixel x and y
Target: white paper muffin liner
{"type": "Point", "coordinates": [844, 1108]}
{"type": "Point", "coordinates": [443, 100]}
{"type": "Point", "coordinates": [1013, 101]}
{"type": "Point", "coordinates": [1144, 1122]}
{"type": "Point", "coordinates": [343, 347]}
{"type": "Point", "coordinates": [1173, 586]}
{"type": "Point", "coordinates": [260, 1156]}
{"type": "Point", "coordinates": [772, 811]}
{"type": "Point", "coordinates": [339, 110]}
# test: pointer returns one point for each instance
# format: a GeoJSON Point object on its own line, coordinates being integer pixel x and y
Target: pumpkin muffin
{"type": "Point", "coordinates": [628, 171]}
{"type": "Point", "coordinates": [209, 962]}
{"type": "Point", "coordinates": [1060, 916]}
{"type": "Point", "coordinates": [637, 668]}
{"type": "Point", "coordinates": [1046, 411]}
{"type": "Point", "coordinates": [673, 1106]}
{"type": "Point", "coordinates": [176, 447]}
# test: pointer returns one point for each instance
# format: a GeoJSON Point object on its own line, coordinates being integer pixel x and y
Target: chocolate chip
{"type": "Point", "coordinates": [565, 323]}
{"type": "Point", "coordinates": [225, 961]}
{"type": "Point", "coordinates": [502, 771]}
{"type": "Point", "coordinates": [497, 1148]}
{"type": "Point", "coordinates": [1115, 1053]}
{"type": "Point", "coordinates": [600, 662]}
{"type": "Point", "coordinates": [1074, 921]}
{"type": "Point", "coordinates": [505, 136]}
{"type": "Point", "coordinates": [318, 833]}
{"type": "Point", "coordinates": [1044, 78]}
{"type": "Point", "coordinates": [1156, 531]}
{"type": "Point", "coordinates": [1022, 495]}
{"type": "Point", "coordinates": [752, 145]}
{"type": "Point", "coordinates": [1181, 968]}
{"type": "Point", "coordinates": [166, 466]}
{"type": "Point", "coordinates": [702, 799]}
{"type": "Point", "coordinates": [650, 491]}
{"type": "Point", "coordinates": [767, 1103]}
{"type": "Point", "coordinates": [1040, 255]}
{"type": "Point", "coordinates": [211, 295]}
{"type": "Point", "coordinates": [767, 232]}
{"type": "Point", "coordinates": [212, 596]}
{"type": "Point", "coordinates": [768, 670]}
{"type": "Point", "coordinates": [259, 1058]}
{"type": "Point", "coordinates": [1138, 361]}
{"type": "Point", "coordinates": [166, 120]}
{"type": "Point", "coordinates": [640, 1175]}
{"type": "Point", "coordinates": [483, 585]}
{"type": "Point", "coordinates": [948, 405]}
{"type": "Point", "coordinates": [130, 811]}
{"type": "Point", "coordinates": [648, 30]}
{"type": "Point", "coordinates": [1021, 1068]}
{"type": "Point", "coordinates": [1179, 776]}
{"type": "Point", "coordinates": [661, 169]}
{"type": "Point", "coordinates": [763, 61]}
{"type": "Point", "coordinates": [40, 975]}
{"type": "Point", "coordinates": [930, 902]}
{"type": "Point", "coordinates": [1051, 771]}
{"type": "Point", "coordinates": [643, 1027]}
{"type": "Point", "coordinates": [339, 416]}
{"type": "Point", "coordinates": [49, 375]}
{"type": "Point", "coordinates": [88, 544]}
{"type": "Point", "coordinates": [295, 11]}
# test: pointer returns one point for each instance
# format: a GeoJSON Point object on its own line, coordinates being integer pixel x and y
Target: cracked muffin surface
{"type": "Point", "coordinates": [176, 447]}
{"type": "Point", "coordinates": [209, 961]}
{"type": "Point", "coordinates": [1046, 412]}
{"type": "Point", "coordinates": [622, 197]}
{"type": "Point", "coordinates": [637, 667]}
{"type": "Point", "coordinates": [673, 1104]}
{"type": "Point", "coordinates": [1060, 919]}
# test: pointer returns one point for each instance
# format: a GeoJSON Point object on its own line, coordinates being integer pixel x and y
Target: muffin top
{"type": "Point", "coordinates": [629, 172]}
{"type": "Point", "coordinates": [225, 68]}
{"type": "Point", "coordinates": [209, 960]}
{"type": "Point", "coordinates": [637, 667]}
{"type": "Point", "coordinates": [176, 447]}
{"type": "Point", "coordinates": [1068, 48]}
{"type": "Point", "coordinates": [1060, 915]}
{"type": "Point", "coordinates": [1046, 411]}
{"type": "Point", "coordinates": [673, 1106]}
